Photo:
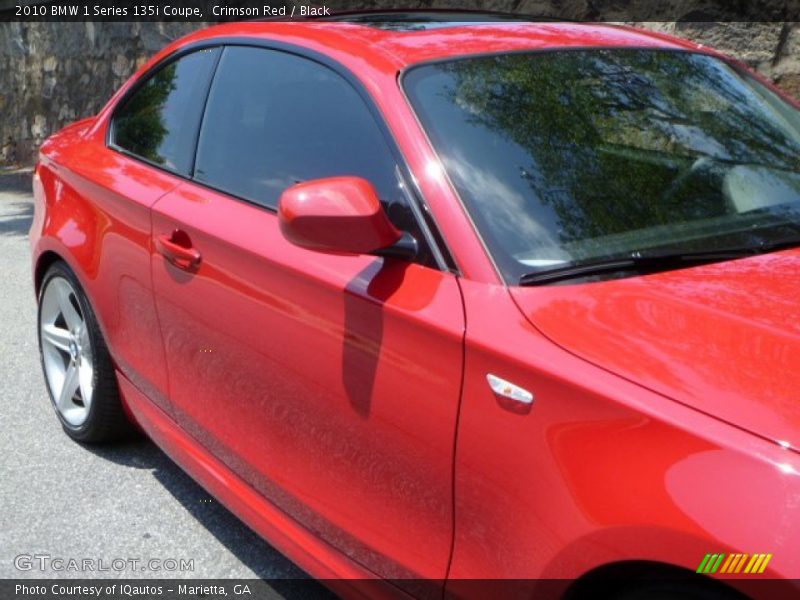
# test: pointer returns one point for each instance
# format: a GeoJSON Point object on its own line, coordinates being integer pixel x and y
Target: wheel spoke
{"type": "Point", "coordinates": [85, 377]}
{"type": "Point", "coordinates": [71, 315]}
{"type": "Point", "coordinates": [57, 337]}
{"type": "Point", "coordinates": [84, 337]}
{"type": "Point", "coordinates": [68, 389]}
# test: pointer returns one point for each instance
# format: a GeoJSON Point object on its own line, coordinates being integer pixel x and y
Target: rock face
{"type": "Point", "coordinates": [55, 73]}
{"type": "Point", "coordinates": [773, 49]}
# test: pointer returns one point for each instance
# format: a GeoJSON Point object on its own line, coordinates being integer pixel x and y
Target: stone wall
{"type": "Point", "coordinates": [55, 73]}
{"type": "Point", "coordinates": [771, 48]}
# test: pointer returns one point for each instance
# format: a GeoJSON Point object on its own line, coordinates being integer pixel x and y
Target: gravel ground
{"type": "Point", "coordinates": [62, 499]}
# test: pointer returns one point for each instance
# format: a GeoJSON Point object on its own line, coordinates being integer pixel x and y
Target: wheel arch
{"type": "Point", "coordinates": [607, 580]}
{"type": "Point", "coordinates": [45, 260]}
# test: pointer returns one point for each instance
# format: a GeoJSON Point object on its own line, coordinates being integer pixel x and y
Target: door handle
{"type": "Point", "coordinates": [177, 248]}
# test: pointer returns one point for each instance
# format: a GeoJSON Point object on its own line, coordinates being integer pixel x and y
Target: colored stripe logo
{"type": "Point", "coordinates": [752, 564]}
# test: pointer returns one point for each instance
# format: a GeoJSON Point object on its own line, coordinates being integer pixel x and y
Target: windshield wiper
{"type": "Point", "coordinates": [645, 262]}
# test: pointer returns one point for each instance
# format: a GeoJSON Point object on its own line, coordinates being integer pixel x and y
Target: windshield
{"type": "Point", "coordinates": [569, 156]}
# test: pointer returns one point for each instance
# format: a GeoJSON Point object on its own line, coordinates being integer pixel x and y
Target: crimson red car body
{"type": "Point", "coordinates": [665, 423]}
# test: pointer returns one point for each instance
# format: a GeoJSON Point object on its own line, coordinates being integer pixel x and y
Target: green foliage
{"type": "Point", "coordinates": [613, 135]}
{"type": "Point", "coordinates": [139, 127]}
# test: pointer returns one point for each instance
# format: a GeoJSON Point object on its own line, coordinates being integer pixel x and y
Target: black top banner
{"type": "Point", "coordinates": [696, 11]}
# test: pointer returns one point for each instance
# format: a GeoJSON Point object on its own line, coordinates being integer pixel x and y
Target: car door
{"type": "Point", "coordinates": [330, 383]}
{"type": "Point", "coordinates": [150, 148]}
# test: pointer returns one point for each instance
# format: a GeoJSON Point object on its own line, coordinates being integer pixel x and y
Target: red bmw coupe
{"type": "Point", "coordinates": [445, 298]}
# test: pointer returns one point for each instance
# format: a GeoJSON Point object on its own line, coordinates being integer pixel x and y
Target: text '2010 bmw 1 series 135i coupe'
{"type": "Point", "coordinates": [433, 301]}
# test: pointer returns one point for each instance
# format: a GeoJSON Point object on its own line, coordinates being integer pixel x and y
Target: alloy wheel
{"type": "Point", "coordinates": [66, 351]}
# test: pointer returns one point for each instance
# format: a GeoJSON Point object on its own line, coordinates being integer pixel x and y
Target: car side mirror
{"type": "Point", "coordinates": [340, 215]}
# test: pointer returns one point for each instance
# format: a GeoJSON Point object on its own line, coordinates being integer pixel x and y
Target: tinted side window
{"type": "Point", "coordinates": [159, 121]}
{"type": "Point", "coordinates": [275, 119]}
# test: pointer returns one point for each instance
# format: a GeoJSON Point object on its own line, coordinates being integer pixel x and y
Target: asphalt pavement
{"type": "Point", "coordinates": [65, 500]}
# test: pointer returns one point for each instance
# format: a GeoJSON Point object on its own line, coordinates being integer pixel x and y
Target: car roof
{"type": "Point", "coordinates": [397, 42]}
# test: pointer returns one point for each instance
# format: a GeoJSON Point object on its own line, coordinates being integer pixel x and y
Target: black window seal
{"type": "Point", "coordinates": [206, 96]}
{"type": "Point", "coordinates": [442, 256]}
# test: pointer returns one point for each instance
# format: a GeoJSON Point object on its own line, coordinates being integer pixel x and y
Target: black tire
{"type": "Point", "coordinates": [106, 420]}
{"type": "Point", "coordinates": [650, 581]}
{"type": "Point", "coordinates": [671, 590]}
